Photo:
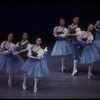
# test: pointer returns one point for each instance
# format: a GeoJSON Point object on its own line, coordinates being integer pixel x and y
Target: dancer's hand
{"type": "Point", "coordinates": [67, 34]}
{"type": "Point", "coordinates": [56, 36]}
{"type": "Point", "coordinates": [15, 53]}
{"type": "Point", "coordinates": [79, 39]}
{"type": "Point", "coordinates": [39, 57]}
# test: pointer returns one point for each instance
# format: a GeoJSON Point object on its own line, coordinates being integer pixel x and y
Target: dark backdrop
{"type": "Point", "coordinates": [39, 18]}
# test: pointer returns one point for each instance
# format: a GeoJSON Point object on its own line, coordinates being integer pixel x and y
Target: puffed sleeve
{"type": "Point", "coordinates": [6, 52]}
{"type": "Point", "coordinates": [90, 38]}
{"type": "Point", "coordinates": [17, 45]}
{"type": "Point", "coordinates": [10, 49]}
{"type": "Point", "coordinates": [12, 46]}
{"type": "Point", "coordinates": [55, 30]}
{"type": "Point", "coordinates": [2, 44]}
{"type": "Point", "coordinates": [69, 26]}
{"type": "Point", "coordinates": [40, 52]}
{"type": "Point", "coordinates": [81, 33]}
{"type": "Point", "coordinates": [29, 52]}
{"type": "Point", "coordinates": [78, 31]}
{"type": "Point", "coordinates": [66, 31]}
{"type": "Point", "coordinates": [29, 48]}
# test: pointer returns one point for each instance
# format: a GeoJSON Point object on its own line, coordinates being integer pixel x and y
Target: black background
{"type": "Point", "coordinates": [38, 18]}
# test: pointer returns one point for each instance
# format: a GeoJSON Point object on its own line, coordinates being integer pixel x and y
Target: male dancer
{"type": "Point", "coordinates": [74, 32]}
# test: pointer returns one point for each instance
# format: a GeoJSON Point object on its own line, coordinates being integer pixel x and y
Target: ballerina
{"type": "Point", "coordinates": [9, 63]}
{"type": "Point", "coordinates": [36, 64]}
{"type": "Point", "coordinates": [89, 53]}
{"type": "Point", "coordinates": [62, 47]}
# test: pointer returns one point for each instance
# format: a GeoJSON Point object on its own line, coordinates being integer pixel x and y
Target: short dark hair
{"type": "Point", "coordinates": [25, 32]}
{"type": "Point", "coordinates": [76, 17]}
{"type": "Point", "coordinates": [90, 24]}
{"type": "Point", "coordinates": [10, 33]}
{"type": "Point", "coordinates": [38, 37]}
{"type": "Point", "coordinates": [61, 19]}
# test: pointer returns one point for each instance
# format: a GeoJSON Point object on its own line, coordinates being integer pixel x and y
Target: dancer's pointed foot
{"type": "Point", "coordinates": [74, 72]}
{"type": "Point", "coordinates": [89, 75]}
{"type": "Point", "coordinates": [35, 88]}
{"type": "Point", "coordinates": [62, 68]}
{"type": "Point", "coordinates": [9, 82]}
{"type": "Point", "coordinates": [24, 86]}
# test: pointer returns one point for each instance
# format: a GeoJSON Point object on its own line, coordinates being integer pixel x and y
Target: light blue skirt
{"type": "Point", "coordinates": [10, 63]}
{"type": "Point", "coordinates": [91, 53]}
{"type": "Point", "coordinates": [61, 47]}
{"type": "Point", "coordinates": [97, 36]}
{"type": "Point", "coordinates": [35, 67]}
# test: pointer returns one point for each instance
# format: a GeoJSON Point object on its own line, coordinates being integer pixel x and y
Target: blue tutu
{"type": "Point", "coordinates": [90, 54]}
{"type": "Point", "coordinates": [35, 67]}
{"type": "Point", "coordinates": [96, 45]}
{"type": "Point", "coordinates": [97, 36]}
{"type": "Point", "coordinates": [10, 63]}
{"type": "Point", "coordinates": [61, 47]}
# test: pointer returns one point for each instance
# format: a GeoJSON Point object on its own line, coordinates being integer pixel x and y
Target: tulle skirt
{"type": "Point", "coordinates": [10, 63]}
{"type": "Point", "coordinates": [35, 67]}
{"type": "Point", "coordinates": [91, 53]}
{"type": "Point", "coordinates": [61, 47]}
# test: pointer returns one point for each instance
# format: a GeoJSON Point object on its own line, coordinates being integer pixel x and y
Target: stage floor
{"type": "Point", "coordinates": [56, 85]}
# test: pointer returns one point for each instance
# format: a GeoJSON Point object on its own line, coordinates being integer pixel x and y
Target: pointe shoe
{"type": "Point", "coordinates": [89, 75]}
{"type": "Point", "coordinates": [74, 72]}
{"type": "Point", "coordinates": [9, 82]}
{"type": "Point", "coordinates": [24, 86]}
{"type": "Point", "coordinates": [62, 68]}
{"type": "Point", "coordinates": [35, 89]}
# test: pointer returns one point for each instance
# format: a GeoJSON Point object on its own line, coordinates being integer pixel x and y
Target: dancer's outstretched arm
{"type": "Point", "coordinates": [98, 30]}
{"type": "Point", "coordinates": [86, 42]}
{"type": "Point", "coordinates": [38, 57]}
